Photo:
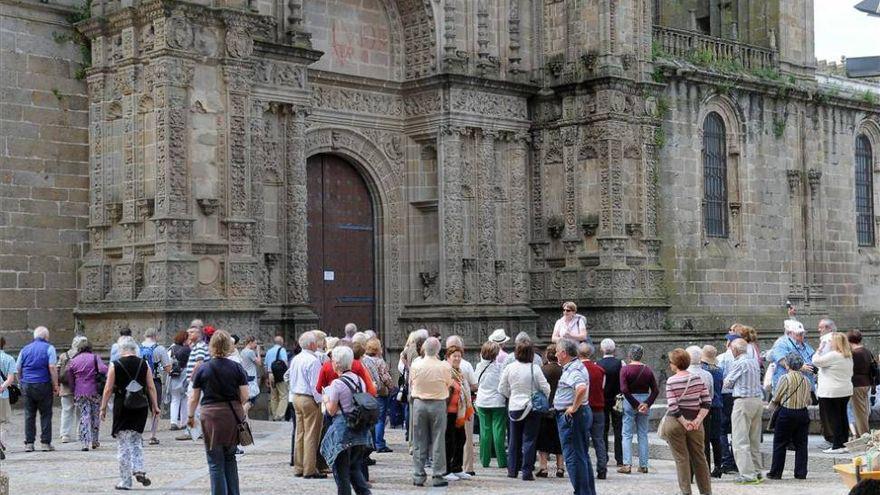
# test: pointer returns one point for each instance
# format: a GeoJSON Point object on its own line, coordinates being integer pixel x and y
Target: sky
{"type": "Point", "coordinates": [843, 30]}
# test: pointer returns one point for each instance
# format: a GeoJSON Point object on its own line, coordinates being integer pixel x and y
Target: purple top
{"type": "Point", "coordinates": [635, 379]}
{"type": "Point", "coordinates": [339, 392]}
{"type": "Point", "coordinates": [81, 374]}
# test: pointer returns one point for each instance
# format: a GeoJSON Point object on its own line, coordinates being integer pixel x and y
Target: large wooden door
{"type": "Point", "coordinates": [341, 236]}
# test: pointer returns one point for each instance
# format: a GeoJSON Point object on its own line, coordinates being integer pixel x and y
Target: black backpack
{"type": "Point", "coordinates": [176, 371]}
{"type": "Point", "coordinates": [365, 411]}
{"type": "Point", "coordinates": [278, 367]}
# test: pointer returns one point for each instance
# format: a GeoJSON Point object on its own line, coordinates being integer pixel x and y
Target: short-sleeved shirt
{"type": "Point", "coordinates": [7, 366]}
{"type": "Point", "coordinates": [161, 359]}
{"type": "Point", "coordinates": [273, 353]}
{"type": "Point", "coordinates": [219, 380]}
{"type": "Point", "coordinates": [573, 376]}
{"type": "Point", "coordinates": [339, 392]}
{"type": "Point", "coordinates": [567, 329]}
{"type": "Point", "coordinates": [198, 353]}
{"type": "Point", "coordinates": [249, 362]}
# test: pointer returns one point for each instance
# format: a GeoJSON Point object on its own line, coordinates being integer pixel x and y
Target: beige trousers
{"type": "Point", "coordinates": [746, 425]}
{"type": "Point", "coordinates": [278, 400]}
{"type": "Point", "coordinates": [468, 459]}
{"type": "Point", "coordinates": [861, 409]}
{"type": "Point", "coordinates": [688, 452]}
{"type": "Point", "coordinates": [308, 435]}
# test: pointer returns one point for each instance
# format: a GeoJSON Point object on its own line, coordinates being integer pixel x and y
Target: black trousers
{"type": "Point", "coordinates": [713, 437]}
{"type": "Point", "coordinates": [455, 438]}
{"type": "Point", "coordinates": [37, 398]}
{"type": "Point", "coordinates": [348, 471]}
{"type": "Point", "coordinates": [832, 412]}
{"type": "Point", "coordinates": [614, 419]}
{"type": "Point", "coordinates": [792, 427]}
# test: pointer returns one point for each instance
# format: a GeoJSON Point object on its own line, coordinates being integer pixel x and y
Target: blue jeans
{"type": "Point", "coordinates": [379, 432]}
{"type": "Point", "coordinates": [572, 432]}
{"type": "Point", "coordinates": [223, 469]}
{"type": "Point", "coordinates": [348, 471]}
{"type": "Point", "coordinates": [633, 422]}
{"type": "Point", "coordinates": [596, 435]}
{"type": "Point", "coordinates": [522, 438]}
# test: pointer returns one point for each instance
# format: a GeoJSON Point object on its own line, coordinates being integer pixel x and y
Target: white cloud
{"type": "Point", "coordinates": [842, 30]}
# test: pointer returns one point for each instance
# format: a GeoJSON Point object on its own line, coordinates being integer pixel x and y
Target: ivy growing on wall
{"type": "Point", "coordinates": [82, 13]}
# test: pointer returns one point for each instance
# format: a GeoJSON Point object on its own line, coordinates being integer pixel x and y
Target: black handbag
{"type": "Point", "coordinates": [774, 413]}
{"type": "Point", "coordinates": [100, 378]}
{"type": "Point", "coordinates": [14, 391]}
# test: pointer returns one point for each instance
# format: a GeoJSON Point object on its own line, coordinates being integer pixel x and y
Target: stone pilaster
{"type": "Point", "coordinates": [451, 212]}
{"type": "Point", "coordinates": [297, 199]}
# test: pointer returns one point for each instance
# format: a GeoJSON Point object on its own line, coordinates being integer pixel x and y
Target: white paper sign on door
{"type": "Point", "coordinates": [329, 276]}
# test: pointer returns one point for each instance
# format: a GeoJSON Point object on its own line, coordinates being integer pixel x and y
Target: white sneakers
{"type": "Point", "coordinates": [832, 450]}
{"type": "Point", "coordinates": [457, 476]}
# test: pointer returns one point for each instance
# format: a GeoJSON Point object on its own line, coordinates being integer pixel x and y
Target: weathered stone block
{"type": "Point", "coordinates": [30, 280]}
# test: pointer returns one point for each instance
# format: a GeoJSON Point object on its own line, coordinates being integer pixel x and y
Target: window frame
{"type": "Point", "coordinates": [716, 221]}
{"type": "Point", "coordinates": [864, 191]}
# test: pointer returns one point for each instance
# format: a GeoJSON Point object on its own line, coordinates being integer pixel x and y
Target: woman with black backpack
{"type": "Point", "coordinates": [354, 414]}
{"type": "Point", "coordinates": [130, 381]}
{"type": "Point", "coordinates": [177, 384]}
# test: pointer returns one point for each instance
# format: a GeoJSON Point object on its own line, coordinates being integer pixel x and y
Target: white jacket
{"type": "Point", "coordinates": [835, 375]}
{"type": "Point", "coordinates": [517, 384]}
{"type": "Point", "coordinates": [488, 374]}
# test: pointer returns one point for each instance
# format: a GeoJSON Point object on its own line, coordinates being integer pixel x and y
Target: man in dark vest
{"type": "Point", "coordinates": [39, 383]}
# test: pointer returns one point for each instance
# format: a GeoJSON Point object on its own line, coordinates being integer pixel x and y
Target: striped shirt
{"type": "Point", "coordinates": [574, 376]}
{"type": "Point", "coordinates": [686, 395]}
{"type": "Point", "coordinates": [793, 391]}
{"type": "Point", "coordinates": [744, 378]}
{"type": "Point", "coordinates": [199, 353]}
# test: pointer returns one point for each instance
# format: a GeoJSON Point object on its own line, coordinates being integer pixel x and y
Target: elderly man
{"type": "Point", "coordinates": [160, 363]}
{"type": "Point", "coordinates": [350, 330]}
{"type": "Point", "coordinates": [68, 409]}
{"type": "Point", "coordinates": [612, 366]}
{"type": "Point", "coordinates": [467, 369]}
{"type": "Point", "coordinates": [826, 328]}
{"type": "Point", "coordinates": [275, 372]}
{"type": "Point", "coordinates": [596, 398]}
{"type": "Point", "coordinates": [197, 356]}
{"type": "Point", "coordinates": [573, 419]}
{"type": "Point", "coordinates": [430, 380]}
{"type": "Point", "coordinates": [744, 379]}
{"type": "Point", "coordinates": [522, 338]}
{"type": "Point", "coordinates": [304, 369]}
{"type": "Point", "coordinates": [696, 354]}
{"type": "Point", "coordinates": [793, 341]}
{"type": "Point", "coordinates": [39, 382]}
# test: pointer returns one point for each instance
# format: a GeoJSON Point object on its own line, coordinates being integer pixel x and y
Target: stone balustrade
{"type": "Point", "coordinates": [689, 45]}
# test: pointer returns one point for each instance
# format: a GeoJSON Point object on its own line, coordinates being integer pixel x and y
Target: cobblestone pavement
{"type": "Point", "coordinates": [179, 468]}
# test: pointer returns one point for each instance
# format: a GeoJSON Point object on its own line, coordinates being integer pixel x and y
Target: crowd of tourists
{"type": "Point", "coordinates": [531, 404]}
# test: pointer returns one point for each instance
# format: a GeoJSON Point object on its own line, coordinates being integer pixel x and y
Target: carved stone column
{"type": "Point", "coordinates": [297, 199]}
{"type": "Point", "coordinates": [519, 219]}
{"type": "Point", "coordinates": [451, 212]}
{"type": "Point", "coordinates": [487, 179]}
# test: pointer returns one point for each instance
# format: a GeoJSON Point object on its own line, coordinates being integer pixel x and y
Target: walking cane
{"type": "Point", "coordinates": [292, 440]}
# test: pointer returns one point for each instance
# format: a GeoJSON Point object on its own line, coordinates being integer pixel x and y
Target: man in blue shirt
{"type": "Point", "coordinates": [278, 397]}
{"type": "Point", "coordinates": [39, 383]}
{"type": "Point", "coordinates": [792, 341]}
{"type": "Point", "coordinates": [574, 417]}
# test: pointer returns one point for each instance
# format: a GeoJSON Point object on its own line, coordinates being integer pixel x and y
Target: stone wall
{"type": "Point", "coordinates": [44, 183]}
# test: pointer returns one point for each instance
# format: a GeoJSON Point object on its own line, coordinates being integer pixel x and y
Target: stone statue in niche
{"type": "Point", "coordinates": [429, 285]}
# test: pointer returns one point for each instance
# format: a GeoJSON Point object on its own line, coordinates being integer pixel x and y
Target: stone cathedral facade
{"type": "Point", "coordinates": [671, 166]}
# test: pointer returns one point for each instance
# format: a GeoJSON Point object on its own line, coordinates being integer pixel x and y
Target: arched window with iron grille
{"type": "Point", "coordinates": [864, 191]}
{"type": "Point", "coordinates": [714, 176]}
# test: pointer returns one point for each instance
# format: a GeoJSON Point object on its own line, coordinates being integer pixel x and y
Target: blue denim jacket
{"type": "Point", "coordinates": [339, 437]}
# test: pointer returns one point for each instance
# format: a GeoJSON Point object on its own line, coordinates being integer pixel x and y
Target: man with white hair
{"type": "Point", "coordinates": [350, 330]}
{"type": "Point", "coordinates": [303, 373]}
{"type": "Point", "coordinates": [197, 323]}
{"type": "Point", "coordinates": [197, 356]}
{"type": "Point", "coordinates": [696, 354]}
{"type": "Point", "coordinates": [744, 379]}
{"type": "Point", "coordinates": [613, 419]}
{"type": "Point", "coordinates": [38, 376]}
{"type": "Point", "coordinates": [430, 380]}
{"type": "Point", "coordinates": [276, 366]}
{"type": "Point", "coordinates": [826, 328]}
{"type": "Point", "coordinates": [793, 341]}
{"type": "Point", "coordinates": [521, 338]}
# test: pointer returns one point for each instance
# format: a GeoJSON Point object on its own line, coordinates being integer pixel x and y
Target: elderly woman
{"type": "Point", "coordinates": [688, 403]}
{"type": "Point", "coordinates": [639, 388]}
{"type": "Point", "coordinates": [177, 385]}
{"type": "Point", "coordinates": [491, 406]}
{"type": "Point", "coordinates": [793, 420]}
{"type": "Point", "coordinates": [82, 375]}
{"type": "Point", "coordinates": [345, 447]}
{"type": "Point", "coordinates": [518, 382]}
{"type": "Point", "coordinates": [458, 410]}
{"type": "Point", "coordinates": [68, 405]}
{"type": "Point", "coordinates": [548, 435]}
{"type": "Point", "coordinates": [130, 408]}
{"type": "Point", "coordinates": [834, 388]}
{"type": "Point", "coordinates": [378, 369]}
{"type": "Point", "coordinates": [220, 387]}
{"type": "Point", "coordinates": [862, 382]}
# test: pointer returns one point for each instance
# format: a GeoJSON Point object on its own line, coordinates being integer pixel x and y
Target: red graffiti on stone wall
{"type": "Point", "coordinates": [353, 39]}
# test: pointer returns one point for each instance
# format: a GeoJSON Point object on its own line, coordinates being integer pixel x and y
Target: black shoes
{"type": "Point", "coordinates": [384, 450]}
{"type": "Point", "coordinates": [716, 473]}
{"type": "Point", "coordinates": [317, 476]}
{"type": "Point", "coordinates": [602, 475]}
{"type": "Point", "coordinates": [370, 462]}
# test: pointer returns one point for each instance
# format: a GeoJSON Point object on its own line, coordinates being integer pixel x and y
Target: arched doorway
{"type": "Point", "coordinates": [341, 237]}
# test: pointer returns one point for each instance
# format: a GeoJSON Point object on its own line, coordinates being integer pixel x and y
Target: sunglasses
{"type": "Point", "coordinates": [567, 310]}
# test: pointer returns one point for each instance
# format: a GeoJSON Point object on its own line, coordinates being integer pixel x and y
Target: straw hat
{"type": "Point", "coordinates": [499, 336]}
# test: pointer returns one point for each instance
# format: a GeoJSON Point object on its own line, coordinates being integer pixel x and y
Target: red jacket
{"type": "Point", "coordinates": [597, 385]}
{"type": "Point", "coordinates": [327, 375]}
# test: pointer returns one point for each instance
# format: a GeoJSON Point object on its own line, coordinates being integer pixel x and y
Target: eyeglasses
{"type": "Point", "coordinates": [567, 310]}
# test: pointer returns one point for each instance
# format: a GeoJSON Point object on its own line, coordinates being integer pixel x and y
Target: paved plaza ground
{"type": "Point", "coordinates": [179, 468]}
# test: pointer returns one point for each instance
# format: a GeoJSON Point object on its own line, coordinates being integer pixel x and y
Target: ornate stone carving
{"type": "Point", "coordinates": [429, 285]}
{"type": "Point", "coordinates": [179, 34]}
{"type": "Point", "coordinates": [239, 43]}
{"type": "Point", "coordinates": [488, 104]}
{"type": "Point", "coordinates": [356, 101]}
{"type": "Point", "coordinates": [422, 104]}
{"type": "Point", "coordinates": [145, 208]}
{"type": "Point", "coordinates": [208, 205]}
{"type": "Point", "coordinates": [814, 176]}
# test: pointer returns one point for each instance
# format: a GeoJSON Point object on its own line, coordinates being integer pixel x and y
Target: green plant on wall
{"type": "Point", "coordinates": [659, 137]}
{"type": "Point", "coordinates": [703, 58]}
{"type": "Point", "coordinates": [85, 45]}
{"type": "Point", "coordinates": [869, 97]}
{"type": "Point", "coordinates": [663, 107]}
{"type": "Point", "coordinates": [778, 127]}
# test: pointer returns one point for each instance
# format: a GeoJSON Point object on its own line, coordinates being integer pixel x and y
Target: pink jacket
{"type": "Point", "coordinates": [81, 374]}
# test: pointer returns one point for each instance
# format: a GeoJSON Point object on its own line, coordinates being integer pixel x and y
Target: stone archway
{"type": "Point", "coordinates": [381, 175]}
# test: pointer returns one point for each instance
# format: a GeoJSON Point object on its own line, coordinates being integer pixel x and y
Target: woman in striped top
{"type": "Point", "coordinates": [793, 421]}
{"type": "Point", "coordinates": [688, 403]}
